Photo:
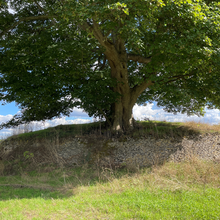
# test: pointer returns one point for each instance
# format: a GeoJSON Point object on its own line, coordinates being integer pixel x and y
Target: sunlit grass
{"type": "Point", "coordinates": [186, 190]}
{"type": "Point", "coordinates": [129, 204]}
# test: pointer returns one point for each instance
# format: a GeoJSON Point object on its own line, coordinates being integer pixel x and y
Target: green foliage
{"type": "Point", "coordinates": [51, 58]}
{"type": "Point", "coordinates": [28, 155]}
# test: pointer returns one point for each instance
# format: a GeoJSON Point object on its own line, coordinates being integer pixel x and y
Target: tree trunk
{"type": "Point", "coordinates": [115, 52]}
{"type": "Point", "coordinates": [122, 109]}
{"type": "Point", "coordinates": [122, 118]}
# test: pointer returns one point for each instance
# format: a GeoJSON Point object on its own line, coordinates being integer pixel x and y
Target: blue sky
{"type": "Point", "coordinates": [150, 111]}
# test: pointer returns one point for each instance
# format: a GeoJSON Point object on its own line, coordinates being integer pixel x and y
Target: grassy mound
{"type": "Point", "coordinates": [157, 129]}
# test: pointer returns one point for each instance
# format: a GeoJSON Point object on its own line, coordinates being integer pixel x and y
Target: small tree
{"type": "Point", "coordinates": [105, 56]}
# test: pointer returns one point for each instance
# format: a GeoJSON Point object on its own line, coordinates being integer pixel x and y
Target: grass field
{"type": "Point", "coordinates": [186, 190]}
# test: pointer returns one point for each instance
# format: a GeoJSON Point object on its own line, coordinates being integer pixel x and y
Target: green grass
{"type": "Point", "coordinates": [187, 190]}
{"type": "Point", "coordinates": [12, 193]}
{"type": "Point", "coordinates": [129, 204]}
{"type": "Point", "coordinates": [63, 131]}
{"type": "Point", "coordinates": [156, 129]}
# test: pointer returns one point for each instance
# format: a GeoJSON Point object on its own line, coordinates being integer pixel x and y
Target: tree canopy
{"type": "Point", "coordinates": [104, 56]}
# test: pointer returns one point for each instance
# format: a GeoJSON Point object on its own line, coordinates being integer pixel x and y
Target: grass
{"type": "Point", "coordinates": [156, 129]}
{"type": "Point", "coordinates": [177, 129]}
{"type": "Point", "coordinates": [187, 190]}
{"type": "Point", "coordinates": [130, 204]}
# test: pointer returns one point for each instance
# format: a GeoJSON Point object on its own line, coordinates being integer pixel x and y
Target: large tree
{"type": "Point", "coordinates": [104, 56]}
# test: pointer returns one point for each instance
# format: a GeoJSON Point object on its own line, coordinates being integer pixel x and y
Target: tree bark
{"type": "Point", "coordinates": [122, 108]}
{"type": "Point", "coordinates": [122, 117]}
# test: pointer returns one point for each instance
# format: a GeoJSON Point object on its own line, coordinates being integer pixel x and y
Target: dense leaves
{"type": "Point", "coordinates": [56, 55]}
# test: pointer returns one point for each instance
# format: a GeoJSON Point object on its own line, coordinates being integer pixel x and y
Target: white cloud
{"type": "Point", "coordinates": [38, 125]}
{"type": "Point", "coordinates": [78, 112]}
{"type": "Point", "coordinates": [4, 133]}
{"type": "Point", "coordinates": [64, 121]}
{"type": "Point", "coordinates": [5, 118]}
{"type": "Point", "coordinates": [141, 112]}
{"type": "Point", "coordinates": [212, 116]}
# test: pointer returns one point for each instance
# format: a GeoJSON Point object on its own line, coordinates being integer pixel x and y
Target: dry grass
{"type": "Point", "coordinates": [181, 175]}
{"type": "Point", "coordinates": [186, 175]}
{"type": "Point", "coordinates": [203, 127]}
{"type": "Point", "coordinates": [163, 129]}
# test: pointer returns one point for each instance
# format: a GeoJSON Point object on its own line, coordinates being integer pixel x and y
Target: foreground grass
{"type": "Point", "coordinates": [129, 204]}
{"type": "Point", "coordinates": [187, 190]}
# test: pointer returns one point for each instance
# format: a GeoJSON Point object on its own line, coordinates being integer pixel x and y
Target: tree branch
{"type": "Point", "coordinates": [95, 30]}
{"type": "Point", "coordinates": [175, 78]}
{"type": "Point", "coordinates": [99, 36]}
{"type": "Point", "coordinates": [138, 89]}
{"type": "Point", "coordinates": [39, 6]}
{"type": "Point", "coordinates": [139, 59]}
{"type": "Point", "coordinates": [42, 9]}
{"type": "Point", "coordinates": [42, 17]}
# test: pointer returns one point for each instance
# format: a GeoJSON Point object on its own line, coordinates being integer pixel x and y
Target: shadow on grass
{"type": "Point", "coordinates": [33, 181]}
{"type": "Point", "coordinates": [57, 184]}
{"type": "Point", "coordinates": [15, 193]}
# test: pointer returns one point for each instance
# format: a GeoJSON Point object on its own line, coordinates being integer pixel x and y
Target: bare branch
{"type": "Point", "coordinates": [139, 59]}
